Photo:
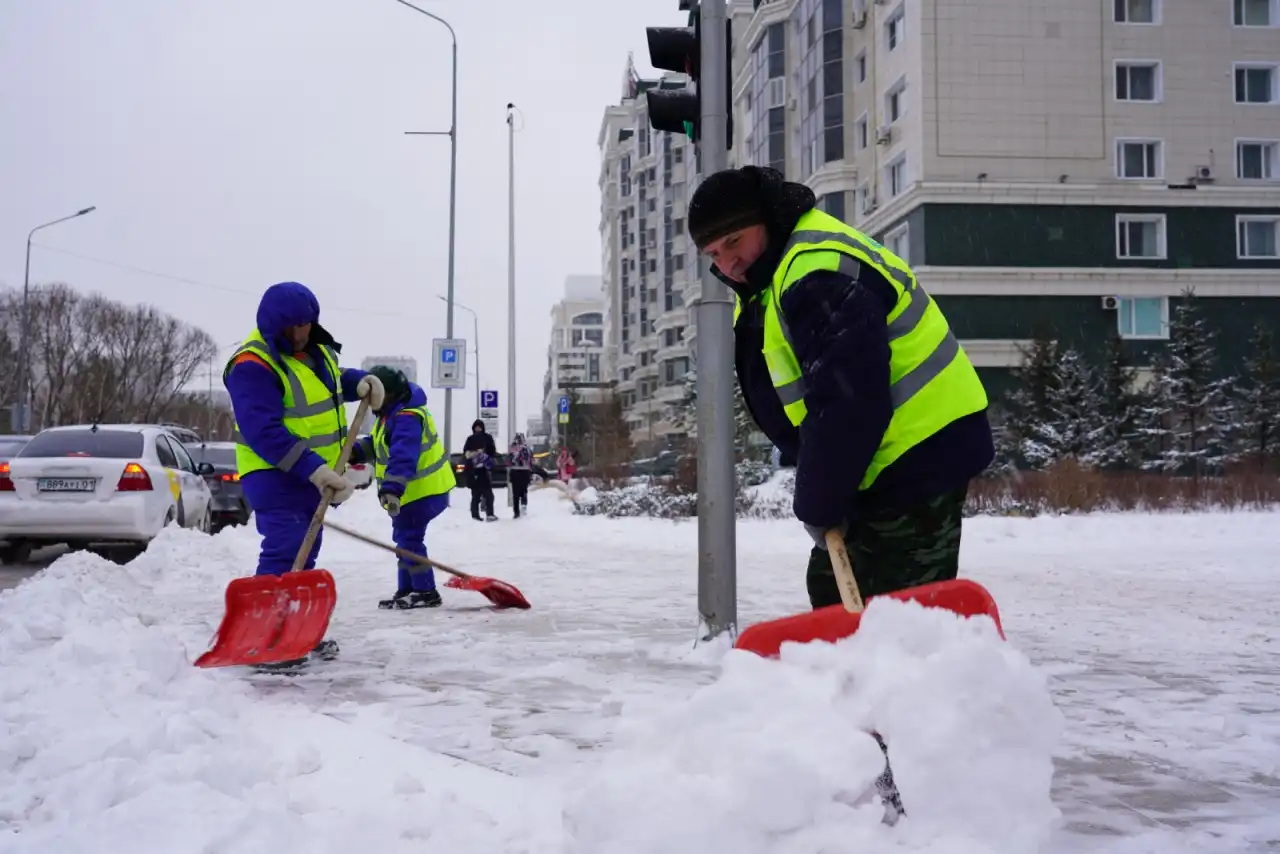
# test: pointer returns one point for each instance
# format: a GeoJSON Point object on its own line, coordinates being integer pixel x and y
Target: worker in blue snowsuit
{"type": "Point", "coordinates": [414, 480]}
{"type": "Point", "coordinates": [287, 391]}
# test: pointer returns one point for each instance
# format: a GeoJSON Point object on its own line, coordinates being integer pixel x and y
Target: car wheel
{"type": "Point", "coordinates": [169, 517]}
{"type": "Point", "coordinates": [206, 522]}
{"type": "Point", "coordinates": [15, 553]}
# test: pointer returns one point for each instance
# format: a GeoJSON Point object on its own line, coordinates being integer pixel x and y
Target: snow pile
{"type": "Point", "coordinates": [761, 494]}
{"type": "Point", "coordinates": [775, 756]}
{"type": "Point", "coordinates": [772, 498]}
{"type": "Point", "coordinates": [110, 740]}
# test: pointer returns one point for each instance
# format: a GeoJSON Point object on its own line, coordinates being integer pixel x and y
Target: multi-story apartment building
{"type": "Point", "coordinates": [576, 351]}
{"type": "Point", "coordinates": [1049, 167]}
{"type": "Point", "coordinates": [650, 268]}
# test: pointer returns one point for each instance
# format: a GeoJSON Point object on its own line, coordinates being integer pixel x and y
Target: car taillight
{"type": "Point", "coordinates": [6, 484]}
{"type": "Point", "coordinates": [134, 479]}
{"type": "Point", "coordinates": [231, 477]}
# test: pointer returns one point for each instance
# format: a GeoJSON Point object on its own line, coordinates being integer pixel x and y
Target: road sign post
{"type": "Point", "coordinates": [489, 411]}
{"type": "Point", "coordinates": [449, 363]}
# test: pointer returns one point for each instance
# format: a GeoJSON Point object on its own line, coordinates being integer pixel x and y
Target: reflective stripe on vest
{"type": "Point", "coordinates": [312, 412]}
{"type": "Point", "coordinates": [433, 476]}
{"type": "Point", "coordinates": [932, 381]}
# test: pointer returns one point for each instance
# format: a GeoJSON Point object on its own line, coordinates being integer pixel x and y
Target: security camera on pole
{"type": "Point", "coordinates": [701, 110]}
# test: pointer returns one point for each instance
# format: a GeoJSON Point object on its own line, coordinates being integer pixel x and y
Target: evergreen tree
{"type": "Point", "coordinates": [1257, 397]}
{"type": "Point", "coordinates": [686, 411]}
{"type": "Point", "coordinates": [1188, 410]}
{"type": "Point", "coordinates": [1072, 426]}
{"type": "Point", "coordinates": [1118, 410]}
{"type": "Point", "coordinates": [1027, 405]}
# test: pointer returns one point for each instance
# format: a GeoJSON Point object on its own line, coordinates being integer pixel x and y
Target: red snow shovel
{"type": "Point", "coordinates": [274, 618]}
{"type": "Point", "coordinates": [964, 597]}
{"type": "Point", "coordinates": [500, 593]}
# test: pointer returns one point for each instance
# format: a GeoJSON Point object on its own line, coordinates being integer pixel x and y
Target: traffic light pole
{"type": "Point", "coordinates": [717, 539]}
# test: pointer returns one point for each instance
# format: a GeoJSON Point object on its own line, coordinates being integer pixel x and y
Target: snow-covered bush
{"type": "Point", "coordinates": [760, 494]}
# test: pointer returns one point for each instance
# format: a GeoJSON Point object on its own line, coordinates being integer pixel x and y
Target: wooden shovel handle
{"type": "Point", "coordinates": [326, 496]}
{"type": "Point", "coordinates": [397, 551]}
{"type": "Point", "coordinates": [849, 593]}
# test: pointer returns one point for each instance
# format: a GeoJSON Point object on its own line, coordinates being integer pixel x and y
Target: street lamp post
{"type": "Point", "coordinates": [475, 319]}
{"type": "Point", "coordinates": [452, 133]}
{"type": "Point", "coordinates": [511, 273]}
{"type": "Point", "coordinates": [24, 379]}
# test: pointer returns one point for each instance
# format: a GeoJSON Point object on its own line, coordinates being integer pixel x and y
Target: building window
{"type": "Point", "coordinates": [895, 29]}
{"type": "Point", "coordinates": [895, 101]}
{"type": "Point", "coordinates": [1255, 13]}
{"type": "Point", "coordinates": [1256, 159]}
{"type": "Point", "coordinates": [1138, 81]}
{"type": "Point", "coordinates": [1258, 236]}
{"type": "Point", "coordinates": [1137, 11]}
{"type": "Point", "coordinates": [1139, 158]}
{"type": "Point", "coordinates": [1140, 236]}
{"type": "Point", "coordinates": [861, 131]}
{"type": "Point", "coordinates": [833, 203]}
{"type": "Point", "coordinates": [769, 99]}
{"type": "Point", "coordinates": [1255, 84]}
{"type": "Point", "coordinates": [897, 176]}
{"type": "Point", "coordinates": [866, 203]}
{"type": "Point", "coordinates": [899, 241]}
{"type": "Point", "coordinates": [820, 76]}
{"type": "Point", "coordinates": [1144, 317]}
{"type": "Point", "coordinates": [860, 67]}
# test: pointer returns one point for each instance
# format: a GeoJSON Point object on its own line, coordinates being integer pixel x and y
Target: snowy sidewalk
{"type": "Point", "coordinates": [1159, 633]}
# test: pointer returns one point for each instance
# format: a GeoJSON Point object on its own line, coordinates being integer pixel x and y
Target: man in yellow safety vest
{"type": "Point", "coordinates": [288, 390]}
{"type": "Point", "coordinates": [850, 369]}
{"type": "Point", "coordinates": [414, 480]}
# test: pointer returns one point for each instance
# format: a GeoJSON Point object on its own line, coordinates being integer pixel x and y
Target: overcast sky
{"type": "Point", "coordinates": [230, 144]}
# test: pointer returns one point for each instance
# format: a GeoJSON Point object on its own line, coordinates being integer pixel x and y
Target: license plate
{"type": "Point", "coordinates": [66, 484]}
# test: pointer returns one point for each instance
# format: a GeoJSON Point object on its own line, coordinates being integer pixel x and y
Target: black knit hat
{"type": "Point", "coordinates": [394, 383]}
{"type": "Point", "coordinates": [725, 202]}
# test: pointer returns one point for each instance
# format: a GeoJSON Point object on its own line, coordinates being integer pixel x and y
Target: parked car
{"type": "Point", "coordinates": [100, 486]}
{"type": "Point", "coordinates": [9, 447]}
{"type": "Point", "coordinates": [498, 472]}
{"type": "Point", "coordinates": [230, 507]}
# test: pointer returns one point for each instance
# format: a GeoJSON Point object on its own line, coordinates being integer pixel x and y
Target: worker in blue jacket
{"type": "Point", "coordinates": [287, 391]}
{"type": "Point", "coordinates": [414, 480]}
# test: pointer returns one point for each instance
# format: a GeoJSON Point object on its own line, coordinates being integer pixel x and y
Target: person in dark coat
{"type": "Point", "coordinates": [480, 453]}
{"type": "Point", "coordinates": [414, 481]}
{"type": "Point", "coordinates": [519, 474]}
{"type": "Point", "coordinates": [851, 371]}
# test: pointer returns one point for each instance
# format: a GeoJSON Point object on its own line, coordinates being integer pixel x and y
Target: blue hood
{"type": "Point", "coordinates": [283, 305]}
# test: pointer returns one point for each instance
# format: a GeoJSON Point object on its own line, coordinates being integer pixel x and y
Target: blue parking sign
{"type": "Point", "coordinates": [489, 399]}
{"type": "Point", "coordinates": [564, 405]}
{"type": "Point", "coordinates": [448, 354]}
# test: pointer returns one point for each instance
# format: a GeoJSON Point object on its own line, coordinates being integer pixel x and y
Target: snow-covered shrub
{"type": "Point", "coordinates": [760, 494]}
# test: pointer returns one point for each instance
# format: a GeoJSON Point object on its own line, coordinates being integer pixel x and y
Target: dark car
{"type": "Point", "coordinates": [498, 472]}
{"type": "Point", "coordinates": [230, 507]}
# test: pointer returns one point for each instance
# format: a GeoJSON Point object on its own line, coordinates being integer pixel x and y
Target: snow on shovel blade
{"type": "Point", "coordinates": [832, 623]}
{"type": "Point", "coordinates": [272, 618]}
{"type": "Point", "coordinates": [500, 593]}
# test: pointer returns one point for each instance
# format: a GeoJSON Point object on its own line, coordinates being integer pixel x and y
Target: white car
{"type": "Point", "coordinates": [105, 485]}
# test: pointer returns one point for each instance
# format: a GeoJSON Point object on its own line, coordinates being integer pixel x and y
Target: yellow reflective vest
{"type": "Point", "coordinates": [434, 475]}
{"type": "Point", "coordinates": [312, 412]}
{"type": "Point", "coordinates": [932, 381]}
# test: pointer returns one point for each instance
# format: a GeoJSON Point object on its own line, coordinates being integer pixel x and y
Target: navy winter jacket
{"type": "Point", "coordinates": [840, 329]}
{"type": "Point", "coordinates": [257, 396]}
{"type": "Point", "coordinates": [404, 440]}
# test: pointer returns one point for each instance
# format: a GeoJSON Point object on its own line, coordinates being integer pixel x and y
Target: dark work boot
{"type": "Point", "coordinates": [412, 599]}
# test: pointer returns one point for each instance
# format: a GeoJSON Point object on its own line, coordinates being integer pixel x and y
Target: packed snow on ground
{"type": "Point", "coordinates": [1139, 680]}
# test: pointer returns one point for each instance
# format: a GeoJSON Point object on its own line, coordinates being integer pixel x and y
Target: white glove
{"type": "Point", "coordinates": [819, 535]}
{"type": "Point", "coordinates": [390, 503]}
{"type": "Point", "coordinates": [370, 388]}
{"type": "Point", "coordinates": [329, 481]}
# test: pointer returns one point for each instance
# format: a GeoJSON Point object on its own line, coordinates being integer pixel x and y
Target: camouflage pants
{"type": "Point", "coordinates": [895, 550]}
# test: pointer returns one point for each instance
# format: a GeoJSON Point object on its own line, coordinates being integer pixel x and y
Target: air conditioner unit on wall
{"type": "Point", "coordinates": [860, 20]}
{"type": "Point", "coordinates": [884, 135]}
{"type": "Point", "coordinates": [1110, 303]}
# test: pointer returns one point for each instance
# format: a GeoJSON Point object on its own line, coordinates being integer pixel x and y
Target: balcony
{"type": "Point", "coordinates": [670, 320]}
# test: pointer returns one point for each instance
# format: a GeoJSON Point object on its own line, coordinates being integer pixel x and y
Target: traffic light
{"type": "Point", "coordinates": [680, 49]}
